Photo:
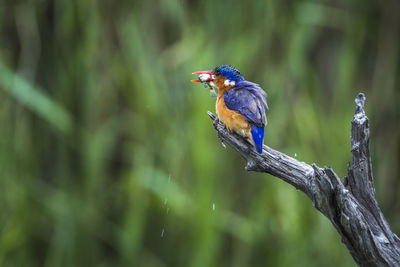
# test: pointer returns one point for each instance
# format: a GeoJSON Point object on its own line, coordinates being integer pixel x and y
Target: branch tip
{"type": "Point", "coordinates": [360, 101]}
{"type": "Point", "coordinates": [212, 116]}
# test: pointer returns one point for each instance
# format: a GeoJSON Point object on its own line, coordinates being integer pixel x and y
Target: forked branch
{"type": "Point", "coordinates": [351, 206]}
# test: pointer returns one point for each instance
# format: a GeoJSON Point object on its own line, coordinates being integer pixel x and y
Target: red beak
{"type": "Point", "coordinates": [209, 72]}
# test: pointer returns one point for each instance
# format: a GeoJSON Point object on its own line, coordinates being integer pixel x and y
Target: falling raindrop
{"type": "Point", "coordinates": [295, 155]}
{"type": "Point", "coordinates": [169, 178]}
{"type": "Point", "coordinates": [223, 144]}
{"type": "Point", "coordinates": [162, 233]}
{"type": "Point", "coordinates": [167, 211]}
{"type": "Point", "coordinates": [213, 206]}
{"type": "Point", "coordinates": [165, 201]}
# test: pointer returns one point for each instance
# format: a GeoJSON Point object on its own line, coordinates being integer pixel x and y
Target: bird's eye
{"type": "Point", "coordinates": [213, 76]}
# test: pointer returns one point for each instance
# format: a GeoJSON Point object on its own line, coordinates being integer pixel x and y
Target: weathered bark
{"type": "Point", "coordinates": [351, 206]}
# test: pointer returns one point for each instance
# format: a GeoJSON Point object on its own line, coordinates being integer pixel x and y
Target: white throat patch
{"type": "Point", "coordinates": [229, 83]}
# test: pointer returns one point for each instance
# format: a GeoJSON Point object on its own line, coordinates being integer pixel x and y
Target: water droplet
{"type": "Point", "coordinates": [165, 201]}
{"type": "Point", "coordinates": [223, 144]}
{"type": "Point", "coordinates": [295, 155]}
{"type": "Point", "coordinates": [162, 233]}
{"type": "Point", "coordinates": [213, 206]}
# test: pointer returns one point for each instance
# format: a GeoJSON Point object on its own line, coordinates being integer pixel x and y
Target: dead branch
{"type": "Point", "coordinates": [351, 206]}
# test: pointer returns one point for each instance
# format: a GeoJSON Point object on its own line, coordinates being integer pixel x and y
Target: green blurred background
{"type": "Point", "coordinates": [107, 155]}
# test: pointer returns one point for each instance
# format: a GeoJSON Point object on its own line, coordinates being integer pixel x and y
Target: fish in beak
{"type": "Point", "coordinates": [204, 76]}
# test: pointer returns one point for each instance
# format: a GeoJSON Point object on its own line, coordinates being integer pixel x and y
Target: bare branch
{"type": "Point", "coordinates": [350, 206]}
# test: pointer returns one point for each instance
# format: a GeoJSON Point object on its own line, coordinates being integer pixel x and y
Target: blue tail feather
{"type": "Point", "coordinates": [257, 132]}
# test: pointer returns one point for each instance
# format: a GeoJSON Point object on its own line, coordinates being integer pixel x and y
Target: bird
{"type": "Point", "coordinates": [240, 104]}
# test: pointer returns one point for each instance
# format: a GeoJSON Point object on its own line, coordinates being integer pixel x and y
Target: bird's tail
{"type": "Point", "coordinates": [257, 132]}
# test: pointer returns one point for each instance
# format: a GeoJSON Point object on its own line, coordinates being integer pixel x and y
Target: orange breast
{"type": "Point", "coordinates": [232, 119]}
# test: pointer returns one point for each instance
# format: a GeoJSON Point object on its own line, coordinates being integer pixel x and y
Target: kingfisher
{"type": "Point", "coordinates": [240, 104]}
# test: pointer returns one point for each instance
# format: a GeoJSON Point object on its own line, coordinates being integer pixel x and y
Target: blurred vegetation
{"type": "Point", "coordinates": [108, 157]}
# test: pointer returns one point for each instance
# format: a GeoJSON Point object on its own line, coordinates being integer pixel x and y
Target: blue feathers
{"type": "Point", "coordinates": [248, 99]}
{"type": "Point", "coordinates": [229, 72]}
{"type": "Point", "coordinates": [257, 132]}
{"type": "Point", "coordinates": [255, 89]}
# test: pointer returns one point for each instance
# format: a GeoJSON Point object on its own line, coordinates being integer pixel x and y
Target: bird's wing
{"type": "Point", "coordinates": [249, 102]}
